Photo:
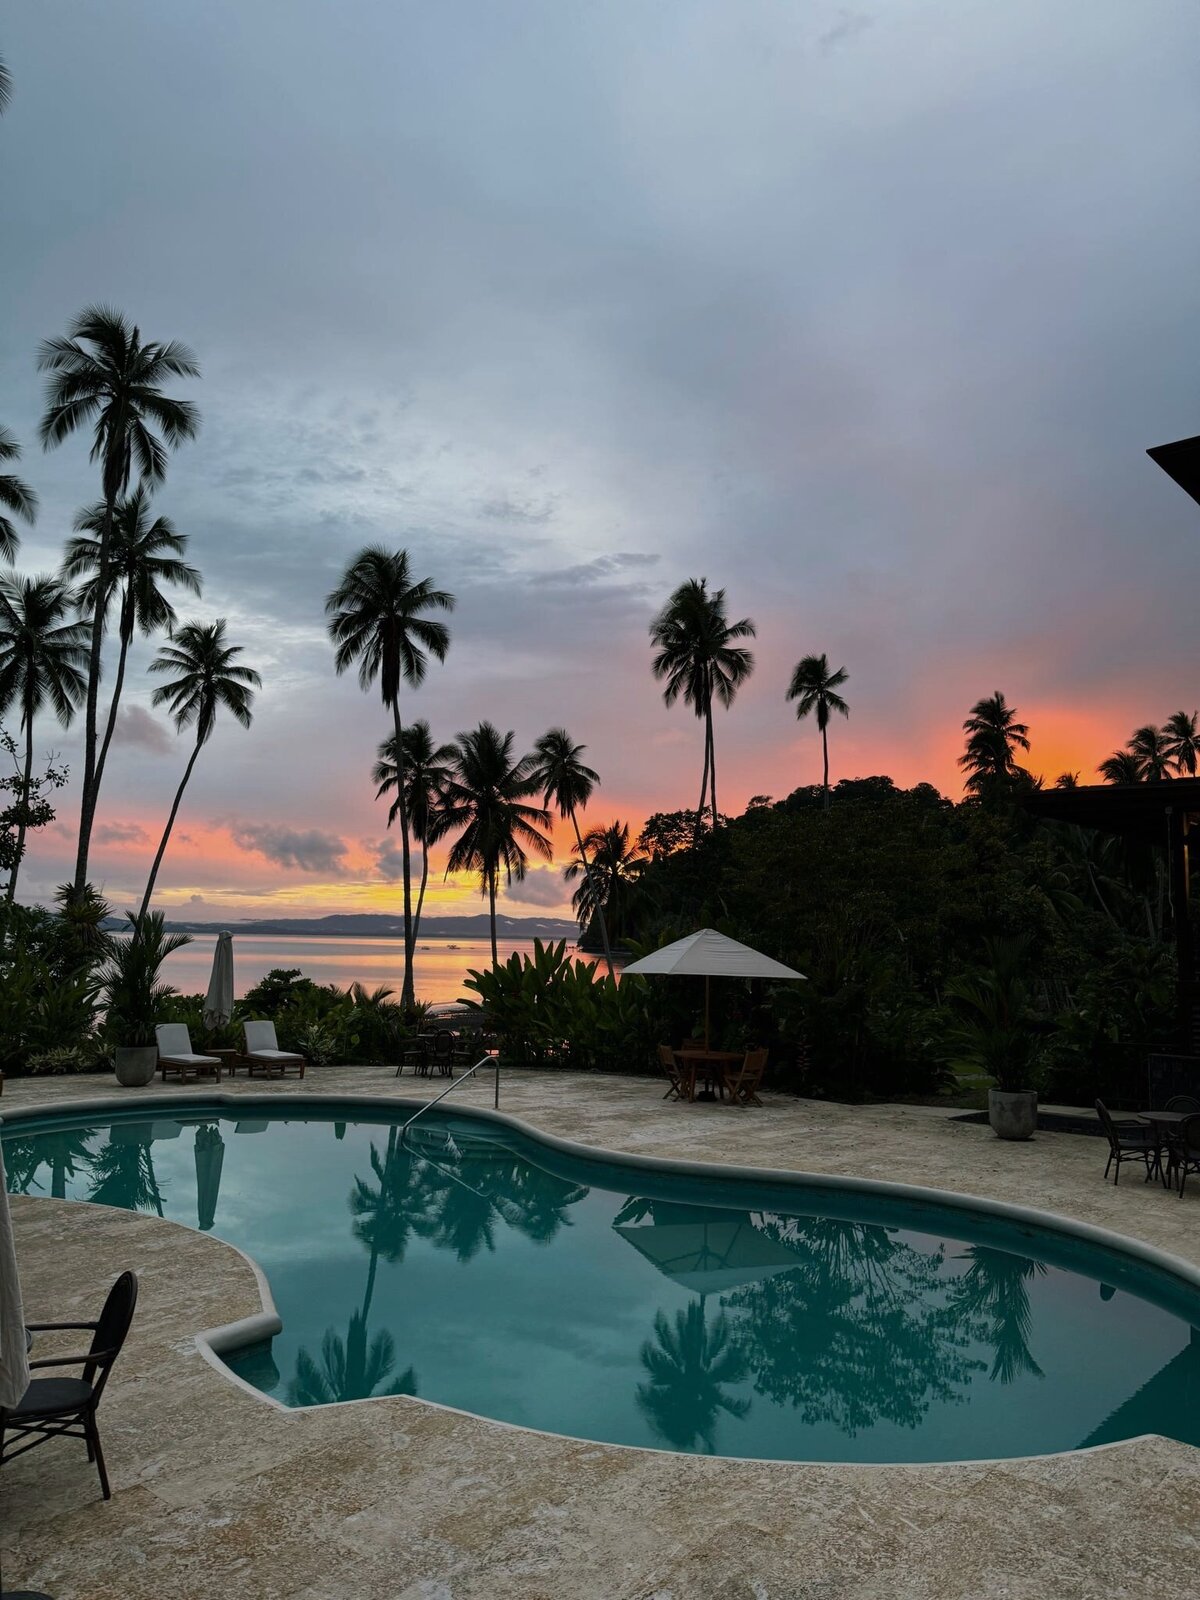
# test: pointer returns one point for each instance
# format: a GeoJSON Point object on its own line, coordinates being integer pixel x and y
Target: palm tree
{"type": "Point", "coordinates": [426, 769]}
{"type": "Point", "coordinates": [143, 557]}
{"type": "Point", "coordinates": [688, 1362]}
{"type": "Point", "coordinates": [208, 677]}
{"type": "Point", "coordinates": [15, 496]}
{"type": "Point", "coordinates": [1122, 767]}
{"type": "Point", "coordinates": [5, 88]}
{"type": "Point", "coordinates": [42, 653]}
{"type": "Point", "coordinates": [994, 1287]}
{"type": "Point", "coordinates": [815, 688]}
{"type": "Point", "coordinates": [377, 618]}
{"type": "Point", "coordinates": [697, 658]}
{"type": "Point", "coordinates": [484, 803]}
{"type": "Point", "coordinates": [104, 374]}
{"type": "Point", "coordinates": [993, 737]}
{"type": "Point", "coordinates": [568, 784]}
{"type": "Point", "coordinates": [1183, 742]}
{"type": "Point", "coordinates": [1153, 748]}
{"type": "Point", "coordinates": [349, 1369]}
{"type": "Point", "coordinates": [615, 868]}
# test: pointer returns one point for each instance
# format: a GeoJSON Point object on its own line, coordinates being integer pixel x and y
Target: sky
{"type": "Point", "coordinates": [866, 314]}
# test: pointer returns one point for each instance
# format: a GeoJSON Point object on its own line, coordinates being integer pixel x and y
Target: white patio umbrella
{"type": "Point", "coordinates": [14, 1360]}
{"type": "Point", "coordinates": [709, 954]}
{"type": "Point", "coordinates": [218, 1002]}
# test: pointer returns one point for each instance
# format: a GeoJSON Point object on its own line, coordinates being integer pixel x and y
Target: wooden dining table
{"type": "Point", "coordinates": [709, 1064]}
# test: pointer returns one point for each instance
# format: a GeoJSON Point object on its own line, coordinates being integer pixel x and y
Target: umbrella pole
{"type": "Point", "coordinates": [706, 986]}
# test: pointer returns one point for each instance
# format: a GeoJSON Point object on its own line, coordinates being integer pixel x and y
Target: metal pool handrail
{"type": "Point", "coordinates": [492, 1056]}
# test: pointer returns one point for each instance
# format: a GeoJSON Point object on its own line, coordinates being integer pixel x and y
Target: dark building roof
{"type": "Point", "coordinates": [1180, 461]}
{"type": "Point", "coordinates": [1136, 810]}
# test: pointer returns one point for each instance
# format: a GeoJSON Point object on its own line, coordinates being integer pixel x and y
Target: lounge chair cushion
{"type": "Point", "coordinates": [274, 1055]}
{"type": "Point", "coordinates": [189, 1060]}
{"type": "Point", "coordinates": [175, 1047]}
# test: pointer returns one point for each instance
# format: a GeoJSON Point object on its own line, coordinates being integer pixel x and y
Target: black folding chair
{"type": "Point", "coordinates": [65, 1408]}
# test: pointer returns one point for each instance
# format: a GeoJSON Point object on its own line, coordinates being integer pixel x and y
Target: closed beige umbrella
{"type": "Point", "coordinates": [218, 1002]}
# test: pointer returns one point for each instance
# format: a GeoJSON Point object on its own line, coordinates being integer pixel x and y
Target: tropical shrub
{"type": "Point", "coordinates": [132, 992]}
{"type": "Point", "coordinates": [61, 1060]}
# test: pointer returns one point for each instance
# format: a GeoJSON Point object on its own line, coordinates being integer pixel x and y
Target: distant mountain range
{"type": "Point", "coordinates": [368, 925]}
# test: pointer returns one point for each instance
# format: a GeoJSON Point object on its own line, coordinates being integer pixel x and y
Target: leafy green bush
{"type": "Point", "coordinates": [61, 1060]}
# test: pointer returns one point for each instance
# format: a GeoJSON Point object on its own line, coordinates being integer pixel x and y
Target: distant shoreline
{"type": "Point", "coordinates": [373, 926]}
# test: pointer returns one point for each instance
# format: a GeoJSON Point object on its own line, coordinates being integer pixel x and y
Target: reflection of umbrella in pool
{"type": "Point", "coordinates": [708, 1250]}
{"type": "Point", "coordinates": [210, 1156]}
{"type": "Point", "coordinates": [218, 1002]}
{"type": "Point", "coordinates": [709, 954]}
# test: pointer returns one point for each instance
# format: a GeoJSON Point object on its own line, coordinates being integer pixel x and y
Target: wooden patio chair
{"type": "Point", "coordinates": [175, 1054]}
{"type": "Point", "coordinates": [677, 1086]}
{"type": "Point", "coordinates": [742, 1083]}
{"type": "Point", "coordinates": [65, 1408]}
{"type": "Point", "coordinates": [263, 1054]}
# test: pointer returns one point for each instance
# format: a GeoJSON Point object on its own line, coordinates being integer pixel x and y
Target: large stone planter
{"type": "Point", "coordinates": [1012, 1116]}
{"type": "Point", "coordinates": [135, 1064]}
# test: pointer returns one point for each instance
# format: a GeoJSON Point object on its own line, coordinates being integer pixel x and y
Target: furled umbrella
{"type": "Point", "coordinates": [218, 1002]}
{"type": "Point", "coordinates": [709, 954]}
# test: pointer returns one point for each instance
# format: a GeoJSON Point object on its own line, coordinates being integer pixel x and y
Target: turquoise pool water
{"type": "Point", "coordinates": [486, 1271]}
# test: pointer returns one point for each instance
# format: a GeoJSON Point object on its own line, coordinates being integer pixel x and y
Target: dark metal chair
{"type": "Point", "coordinates": [1129, 1141]}
{"type": "Point", "coordinates": [1182, 1102]}
{"type": "Point", "coordinates": [443, 1054]}
{"type": "Point", "coordinates": [65, 1408]}
{"type": "Point", "coordinates": [1185, 1151]}
{"type": "Point", "coordinates": [415, 1051]}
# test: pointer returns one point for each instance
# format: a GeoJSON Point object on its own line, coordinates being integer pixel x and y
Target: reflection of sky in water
{"type": "Point", "coordinates": [481, 1280]}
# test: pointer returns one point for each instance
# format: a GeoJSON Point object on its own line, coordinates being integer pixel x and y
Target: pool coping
{"type": "Point", "coordinates": [212, 1343]}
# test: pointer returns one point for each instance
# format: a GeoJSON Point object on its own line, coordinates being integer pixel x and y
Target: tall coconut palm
{"type": "Point", "coordinates": [43, 650]}
{"type": "Point", "coordinates": [567, 783]}
{"type": "Point", "coordinates": [15, 496]}
{"type": "Point", "coordinates": [484, 803]}
{"type": "Point", "coordinates": [815, 689]}
{"type": "Point", "coordinates": [993, 737]}
{"type": "Point", "coordinates": [426, 768]}
{"type": "Point", "coordinates": [1183, 742]}
{"type": "Point", "coordinates": [1122, 767]}
{"type": "Point", "coordinates": [696, 657]}
{"type": "Point", "coordinates": [207, 677]}
{"type": "Point", "coordinates": [612, 876]}
{"type": "Point", "coordinates": [1152, 747]}
{"type": "Point", "coordinates": [103, 374]}
{"type": "Point", "coordinates": [378, 618]}
{"type": "Point", "coordinates": [143, 558]}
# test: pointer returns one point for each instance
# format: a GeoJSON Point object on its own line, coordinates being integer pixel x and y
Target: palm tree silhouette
{"type": "Point", "coordinates": [568, 784]}
{"type": "Point", "coordinates": [42, 654]}
{"type": "Point", "coordinates": [377, 618]}
{"type": "Point", "coordinates": [484, 802]}
{"type": "Point", "coordinates": [1153, 749]}
{"type": "Point", "coordinates": [391, 1211]}
{"type": "Point", "coordinates": [615, 867]}
{"type": "Point", "coordinates": [349, 1368]}
{"type": "Point", "coordinates": [697, 658]}
{"type": "Point", "coordinates": [815, 689]}
{"type": "Point", "coordinates": [1183, 742]}
{"type": "Point", "coordinates": [688, 1361]}
{"type": "Point", "coordinates": [15, 496]}
{"type": "Point", "coordinates": [5, 87]}
{"type": "Point", "coordinates": [102, 373]}
{"type": "Point", "coordinates": [1122, 767]}
{"type": "Point", "coordinates": [143, 556]}
{"type": "Point", "coordinates": [426, 767]}
{"type": "Point", "coordinates": [123, 1176]}
{"type": "Point", "coordinates": [995, 1288]}
{"type": "Point", "coordinates": [208, 677]}
{"type": "Point", "coordinates": [993, 737]}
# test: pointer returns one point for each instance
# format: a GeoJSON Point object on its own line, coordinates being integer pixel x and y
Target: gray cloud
{"type": "Point", "coordinates": [541, 886]}
{"type": "Point", "coordinates": [120, 832]}
{"type": "Point", "coordinates": [309, 849]}
{"type": "Point", "coordinates": [136, 727]}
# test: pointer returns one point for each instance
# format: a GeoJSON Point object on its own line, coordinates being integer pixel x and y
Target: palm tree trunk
{"type": "Point", "coordinates": [597, 900]}
{"type": "Point", "coordinates": [825, 751]}
{"type": "Point", "coordinates": [703, 793]}
{"type": "Point", "coordinates": [167, 832]}
{"type": "Point", "coordinates": [87, 799]}
{"type": "Point", "coordinates": [406, 988]}
{"type": "Point", "coordinates": [712, 768]}
{"type": "Point", "coordinates": [26, 786]}
{"type": "Point", "coordinates": [424, 843]}
{"type": "Point", "coordinates": [491, 878]}
{"type": "Point", "coordinates": [126, 637]}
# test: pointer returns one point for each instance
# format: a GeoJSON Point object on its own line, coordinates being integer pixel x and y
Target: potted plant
{"type": "Point", "coordinates": [996, 1031]}
{"type": "Point", "coordinates": [133, 996]}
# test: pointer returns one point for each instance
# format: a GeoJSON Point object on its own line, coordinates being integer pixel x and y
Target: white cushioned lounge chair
{"type": "Point", "coordinates": [263, 1052]}
{"type": "Point", "coordinates": [175, 1053]}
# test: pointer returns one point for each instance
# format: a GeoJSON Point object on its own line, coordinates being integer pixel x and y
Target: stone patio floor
{"type": "Point", "coordinates": [218, 1492]}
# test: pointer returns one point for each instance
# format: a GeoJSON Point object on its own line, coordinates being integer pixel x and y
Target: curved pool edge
{"type": "Point", "coordinates": [212, 1343]}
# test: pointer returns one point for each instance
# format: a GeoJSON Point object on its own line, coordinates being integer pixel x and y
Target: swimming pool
{"type": "Point", "coordinates": [484, 1268]}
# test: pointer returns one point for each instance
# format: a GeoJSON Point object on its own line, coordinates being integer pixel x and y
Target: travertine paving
{"type": "Point", "coordinates": [216, 1491]}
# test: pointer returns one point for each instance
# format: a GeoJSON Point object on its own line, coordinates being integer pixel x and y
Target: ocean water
{"type": "Point", "coordinates": [440, 965]}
